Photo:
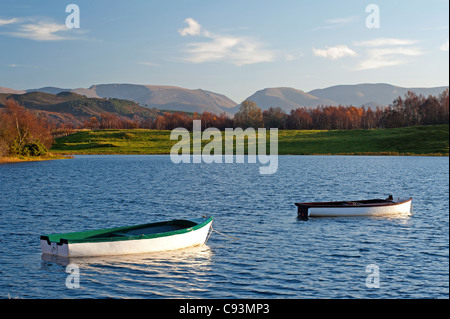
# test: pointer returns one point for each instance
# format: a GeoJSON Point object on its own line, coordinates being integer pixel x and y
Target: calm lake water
{"type": "Point", "coordinates": [275, 256]}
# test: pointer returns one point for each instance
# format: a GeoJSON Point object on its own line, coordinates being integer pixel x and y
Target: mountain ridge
{"type": "Point", "coordinates": [287, 99]}
{"type": "Point", "coordinates": [371, 94]}
{"type": "Point", "coordinates": [165, 97]}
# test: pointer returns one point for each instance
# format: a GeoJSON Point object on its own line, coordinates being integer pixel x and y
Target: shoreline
{"type": "Point", "coordinates": [285, 154]}
{"type": "Point", "coordinates": [10, 160]}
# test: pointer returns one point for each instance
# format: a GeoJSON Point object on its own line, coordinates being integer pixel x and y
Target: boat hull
{"type": "Point", "coordinates": [353, 209]}
{"type": "Point", "coordinates": [186, 238]}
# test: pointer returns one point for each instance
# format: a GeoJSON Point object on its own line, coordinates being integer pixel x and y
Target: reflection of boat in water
{"type": "Point", "coordinates": [176, 273]}
{"type": "Point", "coordinates": [161, 236]}
{"type": "Point", "coordinates": [371, 207]}
{"type": "Point", "coordinates": [195, 255]}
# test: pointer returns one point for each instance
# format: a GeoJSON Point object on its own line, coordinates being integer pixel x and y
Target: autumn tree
{"type": "Point", "coordinates": [176, 119]}
{"type": "Point", "coordinates": [274, 118]}
{"type": "Point", "coordinates": [23, 133]}
{"type": "Point", "coordinates": [249, 115]}
{"type": "Point", "coordinates": [299, 119]}
{"type": "Point", "coordinates": [223, 121]}
{"type": "Point", "coordinates": [93, 123]}
{"type": "Point", "coordinates": [443, 100]}
{"type": "Point", "coordinates": [110, 121]}
{"type": "Point", "coordinates": [431, 110]}
{"type": "Point", "coordinates": [160, 123]}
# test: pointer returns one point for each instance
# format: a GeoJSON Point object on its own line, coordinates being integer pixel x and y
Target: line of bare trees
{"type": "Point", "coordinates": [409, 110]}
{"type": "Point", "coordinates": [167, 121]}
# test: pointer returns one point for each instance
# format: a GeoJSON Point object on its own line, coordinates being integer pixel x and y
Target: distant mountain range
{"type": "Point", "coordinates": [182, 99]}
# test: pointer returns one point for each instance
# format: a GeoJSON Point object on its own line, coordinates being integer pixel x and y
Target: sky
{"type": "Point", "coordinates": [232, 47]}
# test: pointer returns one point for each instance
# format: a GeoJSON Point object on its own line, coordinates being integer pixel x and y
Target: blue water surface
{"type": "Point", "coordinates": [275, 255]}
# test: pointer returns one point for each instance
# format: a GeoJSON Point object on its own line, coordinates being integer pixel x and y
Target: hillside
{"type": "Point", "coordinates": [287, 99]}
{"type": "Point", "coordinates": [156, 96]}
{"type": "Point", "coordinates": [69, 107]}
{"type": "Point", "coordinates": [11, 91]}
{"type": "Point", "coordinates": [379, 94]}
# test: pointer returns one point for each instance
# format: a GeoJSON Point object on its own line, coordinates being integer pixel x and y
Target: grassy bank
{"type": "Point", "coordinates": [417, 140]}
{"type": "Point", "coordinates": [19, 159]}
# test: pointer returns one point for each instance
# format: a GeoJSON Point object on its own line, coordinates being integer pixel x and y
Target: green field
{"type": "Point", "coordinates": [417, 140]}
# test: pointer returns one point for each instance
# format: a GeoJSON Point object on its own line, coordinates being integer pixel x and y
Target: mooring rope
{"type": "Point", "coordinates": [210, 232]}
{"type": "Point", "coordinates": [223, 234]}
{"type": "Point", "coordinates": [213, 230]}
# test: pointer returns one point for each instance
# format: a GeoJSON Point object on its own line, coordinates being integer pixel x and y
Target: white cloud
{"type": "Point", "coordinates": [376, 62]}
{"type": "Point", "coordinates": [385, 52]}
{"type": "Point", "coordinates": [292, 57]}
{"type": "Point", "coordinates": [336, 23]}
{"type": "Point", "coordinates": [8, 21]}
{"type": "Point", "coordinates": [444, 47]}
{"type": "Point", "coordinates": [14, 65]}
{"type": "Point", "coordinates": [410, 51]}
{"type": "Point", "coordinates": [342, 21]}
{"type": "Point", "coordinates": [41, 31]}
{"type": "Point", "coordinates": [38, 29]}
{"type": "Point", "coordinates": [148, 63]}
{"type": "Point", "coordinates": [194, 28]}
{"type": "Point", "coordinates": [376, 53]}
{"type": "Point", "coordinates": [217, 47]}
{"type": "Point", "coordinates": [385, 42]}
{"type": "Point", "coordinates": [335, 52]}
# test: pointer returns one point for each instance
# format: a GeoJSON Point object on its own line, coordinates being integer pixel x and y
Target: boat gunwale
{"type": "Point", "coordinates": [89, 235]}
{"type": "Point", "coordinates": [355, 203]}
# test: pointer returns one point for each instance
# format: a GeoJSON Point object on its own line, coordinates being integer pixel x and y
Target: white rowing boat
{"type": "Point", "coordinates": [161, 236]}
{"type": "Point", "coordinates": [371, 207]}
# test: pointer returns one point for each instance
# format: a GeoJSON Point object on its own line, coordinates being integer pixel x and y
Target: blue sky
{"type": "Point", "coordinates": [230, 47]}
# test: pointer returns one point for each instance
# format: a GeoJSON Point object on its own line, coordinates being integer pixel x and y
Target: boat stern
{"type": "Point", "coordinates": [54, 248]}
{"type": "Point", "coordinates": [302, 211]}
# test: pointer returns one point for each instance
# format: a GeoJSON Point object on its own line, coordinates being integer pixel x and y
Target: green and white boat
{"type": "Point", "coordinates": [145, 238]}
